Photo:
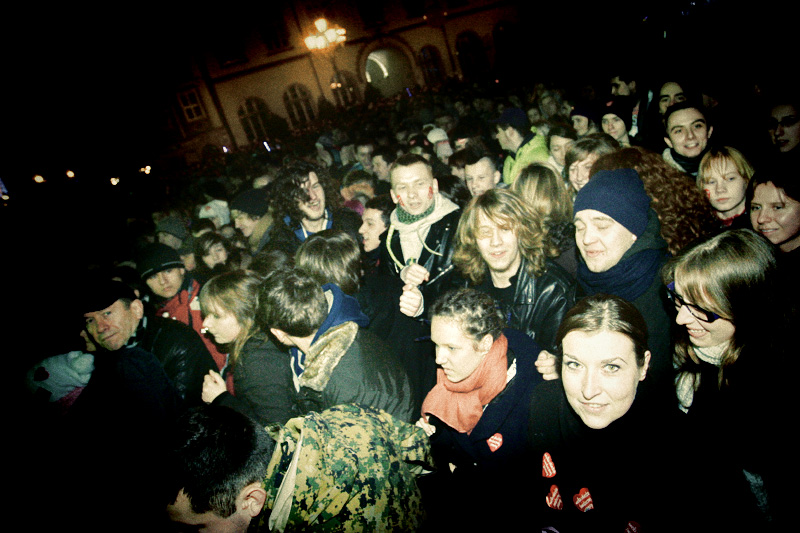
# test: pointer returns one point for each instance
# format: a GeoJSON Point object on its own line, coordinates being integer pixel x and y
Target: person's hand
{"type": "Point", "coordinates": [414, 274]}
{"type": "Point", "coordinates": [411, 301]}
{"type": "Point", "coordinates": [546, 365]}
{"type": "Point", "coordinates": [213, 386]}
{"type": "Point", "coordinates": [428, 428]}
{"type": "Point", "coordinates": [90, 345]}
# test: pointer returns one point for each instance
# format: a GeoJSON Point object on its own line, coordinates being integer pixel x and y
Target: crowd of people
{"type": "Point", "coordinates": [557, 309]}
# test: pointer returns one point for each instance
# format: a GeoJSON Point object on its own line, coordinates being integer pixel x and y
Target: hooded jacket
{"type": "Point", "coordinates": [349, 364]}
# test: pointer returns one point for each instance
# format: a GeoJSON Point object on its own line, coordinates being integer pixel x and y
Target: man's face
{"type": "Point", "coordinates": [364, 156]}
{"type": "Point", "coordinates": [621, 88]}
{"type": "Point", "coordinates": [167, 283]}
{"type": "Point", "coordinates": [313, 208]}
{"type": "Point", "coordinates": [113, 326]}
{"type": "Point", "coordinates": [671, 93]}
{"type": "Point", "coordinates": [372, 226]}
{"type": "Point", "coordinates": [413, 188]}
{"type": "Point", "coordinates": [169, 239]}
{"type": "Point", "coordinates": [498, 246]}
{"type": "Point", "coordinates": [503, 139]}
{"type": "Point", "coordinates": [601, 240]}
{"type": "Point", "coordinates": [785, 127]}
{"type": "Point", "coordinates": [481, 176]}
{"type": "Point", "coordinates": [380, 168]}
{"type": "Point", "coordinates": [688, 132]}
{"type": "Point", "coordinates": [244, 223]}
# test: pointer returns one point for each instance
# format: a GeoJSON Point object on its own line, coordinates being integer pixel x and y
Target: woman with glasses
{"type": "Point", "coordinates": [730, 355]}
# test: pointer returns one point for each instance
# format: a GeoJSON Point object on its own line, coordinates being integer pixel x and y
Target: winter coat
{"type": "Point", "coordinates": [532, 150]}
{"type": "Point", "coordinates": [263, 380]}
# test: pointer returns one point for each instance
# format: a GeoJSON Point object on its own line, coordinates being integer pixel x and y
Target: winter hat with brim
{"type": "Point", "coordinates": [101, 294]}
{"type": "Point", "coordinates": [155, 258]}
{"type": "Point", "coordinates": [173, 226]}
{"type": "Point", "coordinates": [618, 194]}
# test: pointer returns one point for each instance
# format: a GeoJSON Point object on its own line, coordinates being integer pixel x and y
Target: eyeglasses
{"type": "Point", "coordinates": [786, 122]}
{"type": "Point", "coordinates": [696, 311]}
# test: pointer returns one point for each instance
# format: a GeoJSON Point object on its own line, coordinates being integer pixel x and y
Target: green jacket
{"type": "Point", "coordinates": [348, 468]}
{"type": "Point", "coordinates": [532, 150]}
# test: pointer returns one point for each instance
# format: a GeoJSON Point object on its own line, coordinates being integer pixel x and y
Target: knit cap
{"type": "Point", "coordinates": [515, 117]}
{"type": "Point", "coordinates": [251, 201]}
{"type": "Point", "coordinates": [619, 194]}
{"type": "Point", "coordinates": [216, 209]}
{"type": "Point", "coordinates": [173, 226]}
{"type": "Point", "coordinates": [155, 258]}
{"type": "Point", "coordinates": [621, 108]}
{"type": "Point", "coordinates": [585, 109]}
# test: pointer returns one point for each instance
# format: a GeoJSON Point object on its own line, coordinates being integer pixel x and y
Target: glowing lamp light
{"type": "Point", "coordinates": [225, 149]}
{"type": "Point", "coordinates": [38, 179]}
{"type": "Point", "coordinates": [114, 181]}
{"type": "Point", "coordinates": [70, 174]}
{"type": "Point", "coordinates": [266, 145]}
{"type": "Point", "coordinates": [5, 197]}
{"type": "Point", "coordinates": [321, 25]}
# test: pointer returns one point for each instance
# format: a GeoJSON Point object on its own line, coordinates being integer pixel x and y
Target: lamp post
{"type": "Point", "coordinates": [326, 40]}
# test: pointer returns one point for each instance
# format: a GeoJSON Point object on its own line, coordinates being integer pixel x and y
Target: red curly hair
{"type": "Point", "coordinates": [682, 209]}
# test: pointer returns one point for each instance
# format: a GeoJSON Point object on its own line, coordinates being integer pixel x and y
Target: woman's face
{"type": "Point", "coordinates": [221, 324]}
{"type": "Point", "coordinates": [579, 171]}
{"type": "Point", "coordinates": [785, 129]}
{"type": "Point", "coordinates": [217, 255]}
{"type": "Point", "coordinates": [702, 334]}
{"type": "Point", "coordinates": [600, 375]}
{"type": "Point", "coordinates": [725, 188]}
{"type": "Point", "coordinates": [457, 354]}
{"type": "Point", "coordinates": [776, 216]}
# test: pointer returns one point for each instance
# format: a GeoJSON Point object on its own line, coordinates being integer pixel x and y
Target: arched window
{"type": "Point", "coordinates": [297, 100]}
{"type": "Point", "coordinates": [431, 63]}
{"type": "Point", "coordinates": [254, 116]}
{"type": "Point", "coordinates": [472, 56]}
{"type": "Point", "coordinates": [345, 88]}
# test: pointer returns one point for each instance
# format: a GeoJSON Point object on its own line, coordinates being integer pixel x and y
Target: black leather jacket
{"type": "Point", "coordinates": [539, 303]}
{"type": "Point", "coordinates": [440, 238]}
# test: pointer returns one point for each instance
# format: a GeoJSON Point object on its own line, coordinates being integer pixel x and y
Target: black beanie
{"type": "Point", "coordinates": [157, 257]}
{"type": "Point", "coordinates": [99, 294]}
{"type": "Point", "coordinates": [252, 201]}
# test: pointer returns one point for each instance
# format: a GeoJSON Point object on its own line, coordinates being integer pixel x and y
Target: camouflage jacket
{"type": "Point", "coordinates": [348, 468]}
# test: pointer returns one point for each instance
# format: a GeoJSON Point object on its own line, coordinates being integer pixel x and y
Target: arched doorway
{"type": "Point", "coordinates": [389, 71]}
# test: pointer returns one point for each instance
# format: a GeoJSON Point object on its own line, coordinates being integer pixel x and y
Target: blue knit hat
{"type": "Point", "coordinates": [619, 194]}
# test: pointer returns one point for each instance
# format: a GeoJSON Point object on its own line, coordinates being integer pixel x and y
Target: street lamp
{"type": "Point", "coordinates": [327, 36]}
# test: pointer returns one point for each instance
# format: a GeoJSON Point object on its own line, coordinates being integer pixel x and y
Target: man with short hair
{"type": "Point", "coordinates": [334, 359]}
{"type": "Point", "coordinates": [500, 250]}
{"type": "Point", "coordinates": [480, 172]}
{"type": "Point", "coordinates": [287, 471]}
{"type": "Point", "coordinates": [175, 295]}
{"type": "Point", "coordinates": [305, 202]}
{"type": "Point", "coordinates": [382, 158]}
{"type": "Point", "coordinates": [687, 135]}
{"type": "Point", "coordinates": [174, 233]}
{"type": "Point", "coordinates": [116, 319]}
{"type": "Point", "coordinates": [516, 136]}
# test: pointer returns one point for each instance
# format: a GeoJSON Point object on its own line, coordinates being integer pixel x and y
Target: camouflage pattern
{"type": "Point", "coordinates": [356, 470]}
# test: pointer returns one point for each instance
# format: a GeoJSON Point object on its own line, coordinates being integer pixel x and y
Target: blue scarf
{"type": "Point", "coordinates": [635, 272]}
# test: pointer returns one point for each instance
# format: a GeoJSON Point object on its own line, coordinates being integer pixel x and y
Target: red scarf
{"type": "Point", "coordinates": [460, 405]}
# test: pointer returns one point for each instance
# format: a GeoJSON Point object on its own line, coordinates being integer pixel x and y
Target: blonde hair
{"type": "Point", "coordinates": [507, 210]}
{"type": "Point", "coordinates": [234, 292]}
{"type": "Point", "coordinates": [716, 158]}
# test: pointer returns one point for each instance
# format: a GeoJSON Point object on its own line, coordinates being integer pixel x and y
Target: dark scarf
{"type": "Point", "coordinates": [633, 275]}
{"type": "Point", "coordinates": [690, 165]}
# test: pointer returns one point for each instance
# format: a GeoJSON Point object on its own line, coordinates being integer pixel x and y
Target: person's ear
{"type": "Point", "coordinates": [496, 177]}
{"type": "Point", "coordinates": [668, 141]}
{"type": "Point", "coordinates": [252, 499]}
{"type": "Point", "coordinates": [710, 131]}
{"type": "Point", "coordinates": [395, 198]}
{"type": "Point", "coordinates": [645, 366]}
{"type": "Point", "coordinates": [485, 343]}
{"type": "Point", "coordinates": [137, 307]}
{"type": "Point", "coordinates": [435, 186]}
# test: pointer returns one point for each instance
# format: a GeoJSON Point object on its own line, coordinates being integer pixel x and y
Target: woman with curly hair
{"type": "Point", "coordinates": [683, 211]}
{"type": "Point", "coordinates": [305, 201]}
{"type": "Point", "coordinates": [540, 187]}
